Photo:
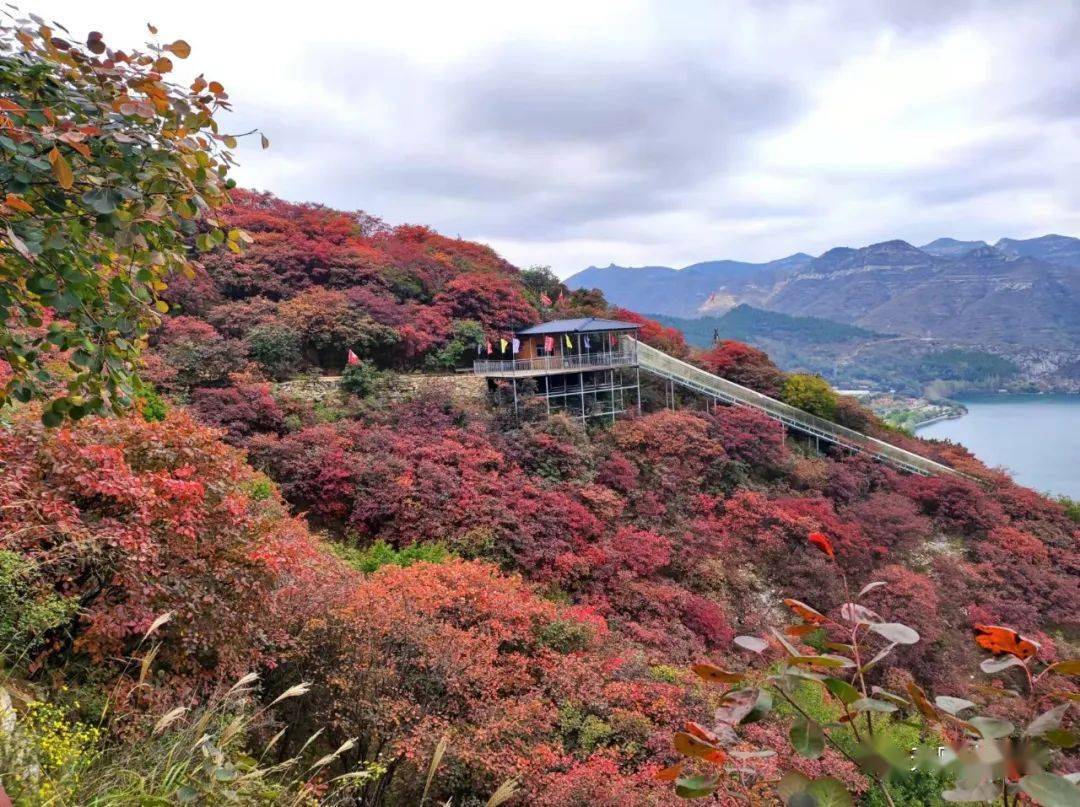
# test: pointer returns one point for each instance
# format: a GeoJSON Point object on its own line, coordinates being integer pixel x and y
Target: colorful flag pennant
{"type": "Point", "coordinates": [544, 299]}
{"type": "Point", "coordinates": [352, 359]}
{"type": "Point", "coordinates": [502, 345]}
{"type": "Point", "coordinates": [587, 345]}
{"type": "Point", "coordinates": [549, 344]}
{"type": "Point", "coordinates": [516, 344]}
{"type": "Point", "coordinates": [569, 344]}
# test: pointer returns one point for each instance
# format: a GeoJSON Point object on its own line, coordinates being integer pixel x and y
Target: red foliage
{"type": "Point", "coordinates": [495, 302]}
{"type": "Point", "coordinates": [742, 364]}
{"type": "Point", "coordinates": [669, 340]}
{"type": "Point", "coordinates": [412, 653]}
{"type": "Point", "coordinates": [750, 437]}
{"type": "Point", "coordinates": [242, 410]}
{"type": "Point", "coordinates": [138, 519]}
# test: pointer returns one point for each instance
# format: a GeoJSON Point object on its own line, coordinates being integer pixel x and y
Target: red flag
{"type": "Point", "coordinates": [490, 349]}
{"type": "Point", "coordinates": [561, 297]}
{"type": "Point", "coordinates": [545, 299]}
{"type": "Point", "coordinates": [353, 359]}
{"type": "Point", "coordinates": [549, 344]}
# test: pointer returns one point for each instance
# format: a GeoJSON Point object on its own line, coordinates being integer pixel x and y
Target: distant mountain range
{"type": "Point", "coordinates": [1018, 298]}
{"type": "Point", "coordinates": [1022, 293]}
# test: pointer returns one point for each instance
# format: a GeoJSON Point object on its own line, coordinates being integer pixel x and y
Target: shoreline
{"type": "Point", "coordinates": [938, 419]}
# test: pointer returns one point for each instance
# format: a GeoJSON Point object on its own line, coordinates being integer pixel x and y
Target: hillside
{"type": "Point", "coordinates": [261, 543]}
{"type": "Point", "coordinates": [528, 589]}
{"type": "Point", "coordinates": [1017, 299]}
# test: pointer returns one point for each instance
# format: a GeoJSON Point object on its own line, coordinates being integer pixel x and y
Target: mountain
{"type": "Point", "coordinates": [950, 247]}
{"type": "Point", "coordinates": [1009, 294]}
{"type": "Point", "coordinates": [1057, 249]}
{"type": "Point", "coordinates": [1017, 298]}
{"type": "Point", "coordinates": [707, 286]}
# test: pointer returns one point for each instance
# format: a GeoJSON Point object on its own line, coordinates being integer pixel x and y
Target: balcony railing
{"type": "Point", "coordinates": [555, 364]}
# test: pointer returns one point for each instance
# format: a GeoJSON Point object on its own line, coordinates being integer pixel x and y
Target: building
{"type": "Point", "coordinates": [587, 368]}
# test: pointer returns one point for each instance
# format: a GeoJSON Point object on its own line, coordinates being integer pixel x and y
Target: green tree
{"type": "Point", "coordinates": [277, 348]}
{"type": "Point", "coordinates": [107, 173]}
{"type": "Point", "coordinates": [811, 393]}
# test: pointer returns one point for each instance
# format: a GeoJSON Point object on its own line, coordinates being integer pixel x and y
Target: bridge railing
{"type": "Point", "coordinates": [685, 374]}
{"type": "Point", "coordinates": [548, 364]}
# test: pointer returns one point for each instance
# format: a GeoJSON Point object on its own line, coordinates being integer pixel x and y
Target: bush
{"type": "Point", "coordinates": [360, 379]}
{"type": "Point", "coordinates": [276, 348]}
{"type": "Point", "coordinates": [812, 394]}
{"type": "Point", "coordinates": [380, 553]}
{"type": "Point", "coordinates": [28, 608]}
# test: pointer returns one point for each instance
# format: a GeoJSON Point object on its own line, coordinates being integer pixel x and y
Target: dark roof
{"type": "Point", "coordinates": [588, 324]}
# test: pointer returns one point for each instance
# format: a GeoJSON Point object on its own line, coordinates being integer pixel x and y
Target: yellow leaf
{"type": "Point", "coordinates": [162, 306]}
{"type": "Point", "coordinates": [61, 169]}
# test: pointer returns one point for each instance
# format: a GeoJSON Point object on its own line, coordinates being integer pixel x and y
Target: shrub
{"type": "Point", "coordinates": [742, 364]}
{"type": "Point", "coordinates": [29, 609]}
{"type": "Point", "coordinates": [811, 393]}
{"type": "Point", "coordinates": [242, 411]}
{"type": "Point", "coordinates": [360, 379]}
{"type": "Point", "coordinates": [276, 348]}
{"type": "Point", "coordinates": [198, 354]}
{"type": "Point", "coordinates": [372, 558]}
{"type": "Point", "coordinates": [136, 519]}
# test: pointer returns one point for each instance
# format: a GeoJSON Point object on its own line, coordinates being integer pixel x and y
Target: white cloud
{"type": "Point", "coordinates": [636, 132]}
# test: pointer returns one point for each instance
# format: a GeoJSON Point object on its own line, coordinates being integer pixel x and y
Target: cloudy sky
{"type": "Point", "coordinates": [591, 132]}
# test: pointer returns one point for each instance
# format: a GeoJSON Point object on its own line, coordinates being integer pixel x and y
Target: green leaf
{"type": "Point", "coordinates": [842, 690]}
{"type": "Point", "coordinates": [102, 200]}
{"type": "Point", "coordinates": [1050, 790]}
{"type": "Point", "coordinates": [751, 643]}
{"type": "Point", "coordinates": [695, 787]}
{"type": "Point", "coordinates": [737, 705]}
{"type": "Point", "coordinates": [996, 665]}
{"type": "Point", "coordinates": [831, 662]}
{"type": "Point", "coordinates": [829, 792]}
{"type": "Point", "coordinates": [895, 632]}
{"type": "Point", "coordinates": [1067, 667]}
{"type": "Point", "coordinates": [807, 738]}
{"type": "Point", "coordinates": [872, 705]}
{"type": "Point", "coordinates": [790, 784]}
{"type": "Point", "coordinates": [992, 728]}
{"type": "Point", "coordinates": [761, 709]}
{"type": "Point", "coordinates": [953, 705]}
{"type": "Point", "coordinates": [1060, 738]}
{"type": "Point", "coordinates": [1047, 721]}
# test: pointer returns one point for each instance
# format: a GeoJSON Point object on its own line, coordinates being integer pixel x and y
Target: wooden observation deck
{"type": "Point", "coordinates": [585, 367]}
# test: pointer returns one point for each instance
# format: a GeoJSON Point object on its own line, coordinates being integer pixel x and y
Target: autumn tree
{"type": "Point", "coordinates": [742, 364]}
{"type": "Point", "coordinates": [811, 393]}
{"type": "Point", "coordinates": [107, 171]}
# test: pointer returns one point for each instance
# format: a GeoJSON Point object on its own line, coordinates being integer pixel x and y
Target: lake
{"type": "Point", "coordinates": [1036, 437]}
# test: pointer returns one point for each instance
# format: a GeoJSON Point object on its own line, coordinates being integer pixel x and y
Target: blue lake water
{"type": "Point", "coordinates": [1035, 437]}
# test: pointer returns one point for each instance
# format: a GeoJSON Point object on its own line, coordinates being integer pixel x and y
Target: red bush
{"type": "Point", "coordinates": [742, 364]}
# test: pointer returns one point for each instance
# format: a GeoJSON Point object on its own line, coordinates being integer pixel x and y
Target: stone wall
{"type": "Point", "coordinates": [464, 390]}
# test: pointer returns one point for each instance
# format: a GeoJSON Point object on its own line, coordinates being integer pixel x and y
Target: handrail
{"type": "Point", "coordinates": [545, 363]}
{"type": "Point", "coordinates": [685, 374]}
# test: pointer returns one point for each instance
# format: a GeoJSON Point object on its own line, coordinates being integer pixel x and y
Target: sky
{"type": "Point", "coordinates": [591, 132]}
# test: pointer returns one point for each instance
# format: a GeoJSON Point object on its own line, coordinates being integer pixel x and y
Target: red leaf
{"type": "Point", "coordinates": [998, 639]}
{"type": "Point", "coordinates": [822, 542]}
{"type": "Point", "coordinates": [670, 773]}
